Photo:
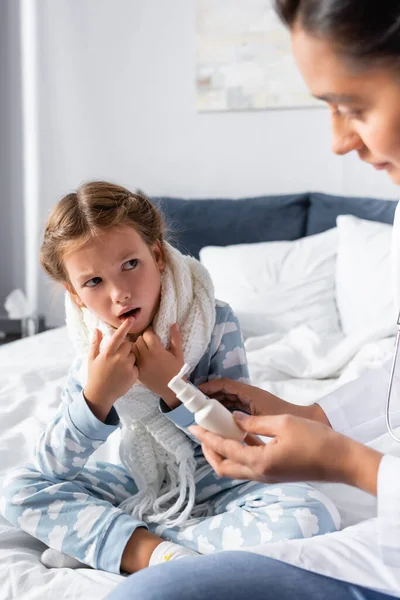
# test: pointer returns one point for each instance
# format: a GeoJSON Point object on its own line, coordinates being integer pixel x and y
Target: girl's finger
{"type": "Point", "coordinates": [95, 345]}
{"type": "Point", "coordinates": [140, 348]}
{"type": "Point", "coordinates": [125, 348]}
{"type": "Point", "coordinates": [133, 351]}
{"type": "Point", "coordinates": [120, 334]}
{"type": "Point", "coordinates": [175, 345]}
{"type": "Point", "coordinates": [149, 338]}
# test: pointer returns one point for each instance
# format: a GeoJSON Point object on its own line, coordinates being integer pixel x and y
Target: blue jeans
{"type": "Point", "coordinates": [235, 576]}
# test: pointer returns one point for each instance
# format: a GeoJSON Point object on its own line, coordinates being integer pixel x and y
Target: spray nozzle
{"type": "Point", "coordinates": [186, 392]}
{"type": "Point", "coordinates": [177, 384]}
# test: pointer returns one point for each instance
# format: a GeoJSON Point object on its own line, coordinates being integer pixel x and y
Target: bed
{"type": "Point", "coordinates": [303, 266]}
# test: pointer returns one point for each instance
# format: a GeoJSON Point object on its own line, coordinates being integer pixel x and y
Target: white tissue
{"type": "Point", "coordinates": [17, 305]}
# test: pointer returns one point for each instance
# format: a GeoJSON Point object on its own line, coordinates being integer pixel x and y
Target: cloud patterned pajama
{"type": "Point", "coordinates": [70, 502]}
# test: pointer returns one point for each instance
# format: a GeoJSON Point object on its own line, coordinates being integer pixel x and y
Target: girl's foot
{"type": "Point", "coordinates": [167, 551]}
{"type": "Point", "coordinates": [53, 559]}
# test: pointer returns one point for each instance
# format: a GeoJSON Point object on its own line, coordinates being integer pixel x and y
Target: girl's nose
{"type": "Point", "coordinates": [119, 296]}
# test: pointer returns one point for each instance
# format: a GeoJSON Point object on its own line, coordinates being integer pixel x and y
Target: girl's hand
{"type": "Point", "coordinates": [157, 366]}
{"type": "Point", "coordinates": [255, 401]}
{"type": "Point", "coordinates": [111, 372]}
{"type": "Point", "coordinates": [301, 449]}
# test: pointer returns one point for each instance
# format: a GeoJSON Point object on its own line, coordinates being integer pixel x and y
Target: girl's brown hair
{"type": "Point", "coordinates": [95, 206]}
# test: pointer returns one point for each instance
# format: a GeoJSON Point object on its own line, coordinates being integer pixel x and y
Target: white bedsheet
{"type": "Point", "coordinates": [302, 366]}
{"type": "Point", "coordinates": [298, 366]}
{"type": "Point", "coordinates": [32, 373]}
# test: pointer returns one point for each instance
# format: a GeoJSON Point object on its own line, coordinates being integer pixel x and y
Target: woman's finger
{"type": "Point", "coordinates": [223, 387]}
{"type": "Point", "coordinates": [225, 467]}
{"type": "Point", "coordinates": [229, 401]}
{"type": "Point", "coordinates": [253, 440]}
{"type": "Point", "coordinates": [231, 393]}
{"type": "Point", "coordinates": [232, 449]}
{"type": "Point", "coordinates": [268, 426]}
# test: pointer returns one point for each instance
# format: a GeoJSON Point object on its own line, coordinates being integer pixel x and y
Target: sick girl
{"type": "Point", "coordinates": [136, 310]}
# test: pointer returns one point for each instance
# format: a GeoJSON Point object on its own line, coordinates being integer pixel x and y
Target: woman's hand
{"type": "Point", "coordinates": [111, 371]}
{"type": "Point", "coordinates": [255, 401]}
{"type": "Point", "coordinates": [157, 366]}
{"type": "Point", "coordinates": [301, 449]}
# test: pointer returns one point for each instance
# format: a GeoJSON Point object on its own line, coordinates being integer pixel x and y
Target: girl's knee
{"type": "Point", "coordinates": [293, 510]}
{"type": "Point", "coordinates": [17, 487]}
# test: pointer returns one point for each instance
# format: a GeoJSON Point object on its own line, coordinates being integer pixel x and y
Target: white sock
{"type": "Point", "coordinates": [169, 551]}
{"type": "Point", "coordinates": [53, 559]}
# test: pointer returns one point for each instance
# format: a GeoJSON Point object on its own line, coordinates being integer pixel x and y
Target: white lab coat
{"type": "Point", "coordinates": [368, 552]}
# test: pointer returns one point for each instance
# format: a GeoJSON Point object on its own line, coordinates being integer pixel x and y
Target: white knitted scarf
{"type": "Point", "coordinates": [157, 454]}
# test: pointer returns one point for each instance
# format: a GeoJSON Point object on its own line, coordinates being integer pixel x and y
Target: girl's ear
{"type": "Point", "coordinates": [158, 253]}
{"type": "Point", "coordinates": [74, 296]}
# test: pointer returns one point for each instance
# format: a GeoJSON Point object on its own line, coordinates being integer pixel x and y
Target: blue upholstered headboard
{"type": "Point", "coordinates": [221, 222]}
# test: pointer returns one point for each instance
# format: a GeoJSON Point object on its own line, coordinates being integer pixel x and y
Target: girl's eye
{"type": "Point", "coordinates": [130, 264]}
{"type": "Point", "coordinates": [93, 282]}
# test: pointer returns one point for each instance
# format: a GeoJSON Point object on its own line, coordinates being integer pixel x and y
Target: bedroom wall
{"type": "Point", "coordinates": [11, 234]}
{"type": "Point", "coordinates": [117, 101]}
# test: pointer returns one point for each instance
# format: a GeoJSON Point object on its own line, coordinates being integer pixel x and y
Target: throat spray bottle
{"type": "Point", "coordinates": [208, 413]}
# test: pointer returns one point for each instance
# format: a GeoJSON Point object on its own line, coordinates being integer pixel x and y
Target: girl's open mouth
{"type": "Point", "coordinates": [130, 313]}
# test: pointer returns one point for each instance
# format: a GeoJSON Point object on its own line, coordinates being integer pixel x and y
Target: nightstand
{"type": "Point", "coordinates": [12, 328]}
{"type": "Point", "coordinates": [9, 338]}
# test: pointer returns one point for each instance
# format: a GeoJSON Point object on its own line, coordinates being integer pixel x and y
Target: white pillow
{"type": "Point", "coordinates": [364, 292]}
{"type": "Point", "coordinates": [275, 286]}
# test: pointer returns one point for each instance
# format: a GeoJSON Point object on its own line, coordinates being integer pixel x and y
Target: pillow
{"type": "Point", "coordinates": [324, 209]}
{"type": "Point", "coordinates": [275, 286]}
{"type": "Point", "coordinates": [220, 222]}
{"type": "Point", "coordinates": [364, 292]}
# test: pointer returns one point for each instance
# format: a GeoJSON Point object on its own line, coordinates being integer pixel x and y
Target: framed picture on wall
{"type": "Point", "coordinates": [244, 59]}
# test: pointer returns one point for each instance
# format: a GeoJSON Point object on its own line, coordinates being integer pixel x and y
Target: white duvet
{"type": "Point", "coordinates": [302, 366]}
{"type": "Point", "coordinates": [299, 366]}
{"type": "Point", "coordinates": [32, 374]}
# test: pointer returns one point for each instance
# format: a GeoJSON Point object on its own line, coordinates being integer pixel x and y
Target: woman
{"type": "Point", "coordinates": [348, 52]}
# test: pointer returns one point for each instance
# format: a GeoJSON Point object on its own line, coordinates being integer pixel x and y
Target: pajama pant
{"type": "Point", "coordinates": [81, 518]}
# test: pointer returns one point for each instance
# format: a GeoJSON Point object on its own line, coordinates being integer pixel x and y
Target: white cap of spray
{"type": "Point", "coordinates": [208, 413]}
